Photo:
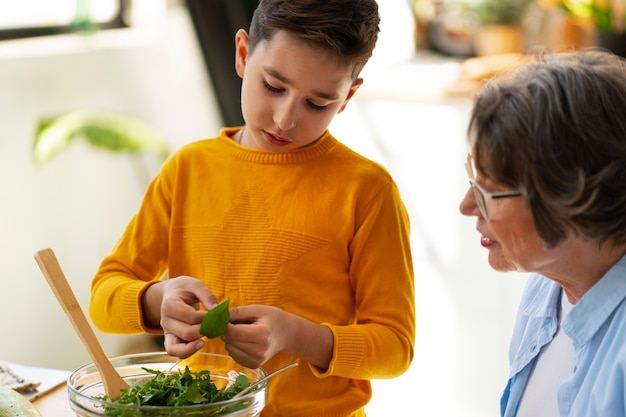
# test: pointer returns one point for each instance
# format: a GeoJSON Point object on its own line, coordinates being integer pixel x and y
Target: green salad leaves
{"type": "Point", "coordinates": [216, 320]}
{"type": "Point", "coordinates": [175, 389]}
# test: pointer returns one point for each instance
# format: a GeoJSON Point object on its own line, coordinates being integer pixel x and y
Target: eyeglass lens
{"type": "Point", "coordinates": [481, 202]}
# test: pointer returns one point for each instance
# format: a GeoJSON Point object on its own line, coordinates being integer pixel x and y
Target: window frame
{"type": "Point", "coordinates": [118, 22]}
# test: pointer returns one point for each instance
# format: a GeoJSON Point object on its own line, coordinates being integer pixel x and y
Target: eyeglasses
{"type": "Point", "coordinates": [482, 196]}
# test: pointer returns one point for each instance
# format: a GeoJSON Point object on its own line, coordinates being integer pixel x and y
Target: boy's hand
{"type": "Point", "coordinates": [179, 314]}
{"type": "Point", "coordinates": [258, 332]}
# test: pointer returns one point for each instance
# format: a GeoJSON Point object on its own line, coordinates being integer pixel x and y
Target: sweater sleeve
{"type": "Point", "coordinates": [381, 343]}
{"type": "Point", "coordinates": [138, 260]}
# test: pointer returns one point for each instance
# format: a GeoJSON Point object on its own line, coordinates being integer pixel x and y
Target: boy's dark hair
{"type": "Point", "coordinates": [348, 29]}
{"type": "Point", "coordinates": [556, 131]}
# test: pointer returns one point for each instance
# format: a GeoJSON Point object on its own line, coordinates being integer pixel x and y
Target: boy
{"type": "Point", "coordinates": [308, 239]}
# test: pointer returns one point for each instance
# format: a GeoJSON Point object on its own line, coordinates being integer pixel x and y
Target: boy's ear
{"type": "Point", "coordinates": [241, 51]}
{"type": "Point", "coordinates": [355, 86]}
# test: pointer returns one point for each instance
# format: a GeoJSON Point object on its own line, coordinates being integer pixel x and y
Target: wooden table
{"type": "Point", "coordinates": [55, 403]}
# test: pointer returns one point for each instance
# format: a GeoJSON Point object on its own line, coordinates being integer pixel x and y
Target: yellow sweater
{"type": "Point", "coordinates": [320, 232]}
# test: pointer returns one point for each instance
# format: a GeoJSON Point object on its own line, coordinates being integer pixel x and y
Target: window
{"type": "Point", "coordinates": [31, 18]}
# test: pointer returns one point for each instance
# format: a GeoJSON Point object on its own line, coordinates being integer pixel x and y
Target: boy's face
{"type": "Point", "coordinates": [290, 91]}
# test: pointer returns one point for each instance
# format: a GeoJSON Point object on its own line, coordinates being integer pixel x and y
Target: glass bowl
{"type": "Point", "coordinates": [85, 386]}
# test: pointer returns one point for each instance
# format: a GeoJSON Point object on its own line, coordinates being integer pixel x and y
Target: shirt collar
{"type": "Point", "coordinates": [597, 304]}
{"type": "Point", "coordinates": [544, 300]}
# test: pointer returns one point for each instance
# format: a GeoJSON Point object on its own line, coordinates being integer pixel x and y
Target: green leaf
{"type": "Point", "coordinates": [241, 382]}
{"type": "Point", "coordinates": [216, 320]}
{"type": "Point", "coordinates": [174, 389]}
{"type": "Point", "coordinates": [104, 129]}
{"type": "Point", "coordinates": [193, 394]}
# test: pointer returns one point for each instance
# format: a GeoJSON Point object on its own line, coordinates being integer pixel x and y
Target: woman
{"type": "Point", "coordinates": [548, 188]}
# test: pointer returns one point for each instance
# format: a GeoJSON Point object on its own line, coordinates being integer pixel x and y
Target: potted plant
{"type": "Point", "coordinates": [499, 12]}
{"type": "Point", "coordinates": [500, 25]}
{"type": "Point", "coordinates": [607, 17]}
{"type": "Point", "coordinates": [104, 129]}
{"type": "Point", "coordinates": [110, 130]}
{"type": "Point", "coordinates": [470, 27]}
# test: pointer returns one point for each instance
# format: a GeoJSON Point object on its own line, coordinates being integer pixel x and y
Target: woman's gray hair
{"type": "Point", "coordinates": [555, 129]}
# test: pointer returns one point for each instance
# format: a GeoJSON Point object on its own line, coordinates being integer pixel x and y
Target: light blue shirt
{"type": "Point", "coordinates": [597, 327]}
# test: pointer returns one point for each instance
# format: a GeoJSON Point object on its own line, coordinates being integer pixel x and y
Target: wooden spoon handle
{"type": "Point", "coordinates": [49, 265]}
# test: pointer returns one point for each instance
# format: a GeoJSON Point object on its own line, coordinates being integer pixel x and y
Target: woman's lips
{"type": "Point", "coordinates": [486, 242]}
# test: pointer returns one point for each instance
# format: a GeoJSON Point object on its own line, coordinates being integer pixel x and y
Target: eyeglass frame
{"type": "Point", "coordinates": [482, 196]}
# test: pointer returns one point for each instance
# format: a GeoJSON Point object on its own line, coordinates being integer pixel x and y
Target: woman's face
{"type": "Point", "coordinates": [509, 235]}
{"type": "Point", "coordinates": [290, 91]}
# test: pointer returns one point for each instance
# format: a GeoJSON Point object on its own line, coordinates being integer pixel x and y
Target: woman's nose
{"type": "Point", "coordinates": [468, 205]}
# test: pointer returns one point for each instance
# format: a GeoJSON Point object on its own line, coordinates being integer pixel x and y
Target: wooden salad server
{"type": "Point", "coordinates": [49, 265]}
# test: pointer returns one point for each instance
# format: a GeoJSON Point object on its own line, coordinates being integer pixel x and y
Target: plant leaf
{"type": "Point", "coordinates": [216, 320]}
{"type": "Point", "coordinates": [241, 382]}
{"type": "Point", "coordinates": [173, 389]}
{"type": "Point", "coordinates": [105, 129]}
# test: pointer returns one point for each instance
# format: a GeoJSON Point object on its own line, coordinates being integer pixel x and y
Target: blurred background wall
{"type": "Point", "coordinates": [79, 202]}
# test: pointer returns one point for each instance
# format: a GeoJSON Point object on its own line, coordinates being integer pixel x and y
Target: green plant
{"type": "Point", "coordinates": [498, 12]}
{"type": "Point", "coordinates": [606, 15]}
{"type": "Point", "coordinates": [104, 129]}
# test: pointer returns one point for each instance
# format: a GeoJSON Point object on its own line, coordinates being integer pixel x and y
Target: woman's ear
{"type": "Point", "coordinates": [241, 51]}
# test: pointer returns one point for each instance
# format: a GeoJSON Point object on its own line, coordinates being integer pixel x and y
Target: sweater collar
{"type": "Point", "coordinates": [321, 147]}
